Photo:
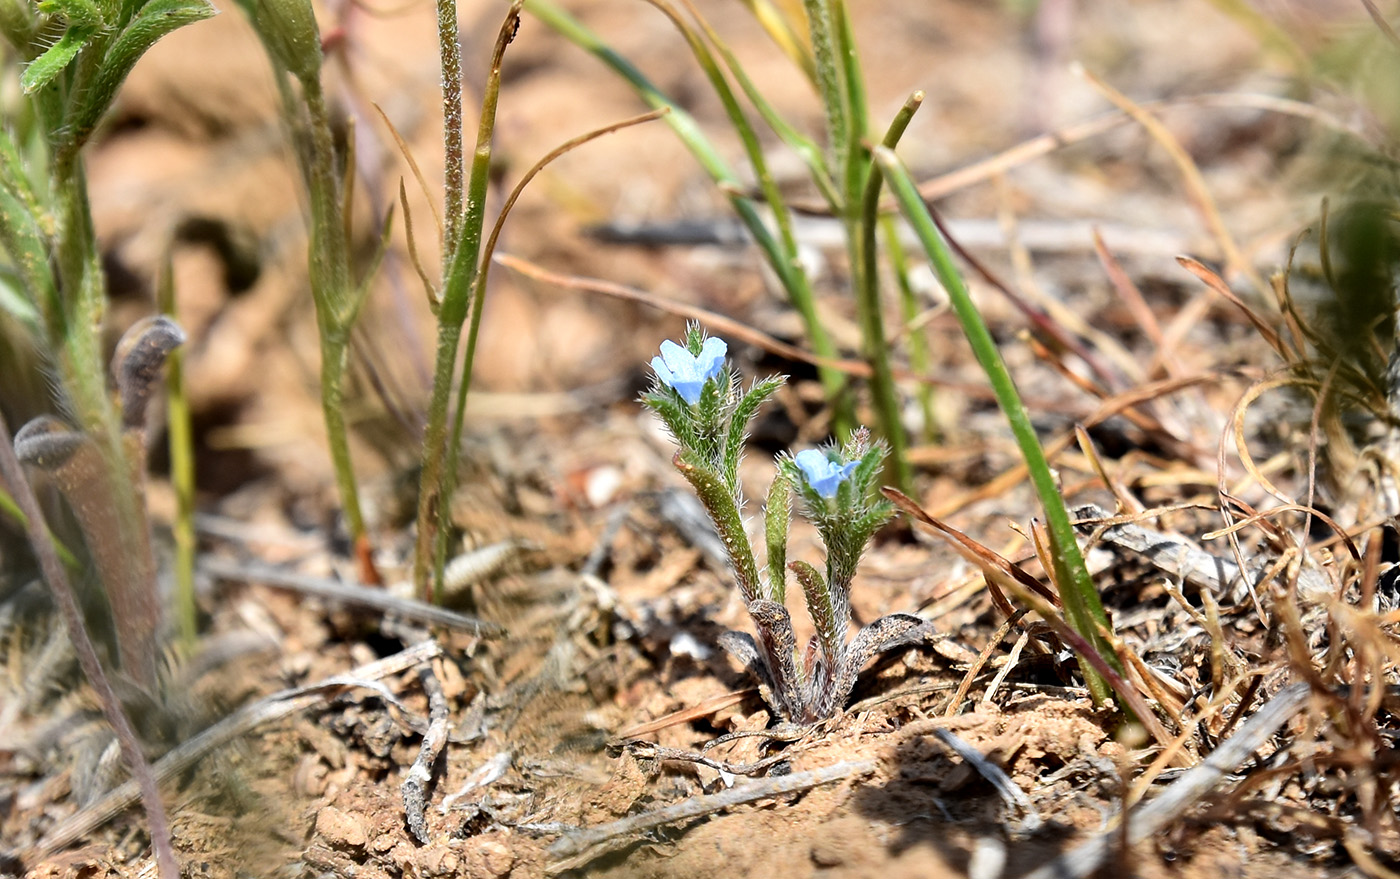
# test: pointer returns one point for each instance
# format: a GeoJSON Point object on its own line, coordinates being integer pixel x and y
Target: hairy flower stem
{"type": "Point", "coordinates": [450, 55]}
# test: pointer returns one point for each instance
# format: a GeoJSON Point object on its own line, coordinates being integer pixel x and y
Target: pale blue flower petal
{"type": "Point", "coordinates": [711, 359]}
{"type": "Point", "coordinates": [661, 371]}
{"type": "Point", "coordinates": [679, 369]}
{"type": "Point", "coordinates": [823, 474]}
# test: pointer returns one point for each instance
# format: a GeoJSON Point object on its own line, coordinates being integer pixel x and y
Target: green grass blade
{"type": "Point", "coordinates": [866, 281]}
{"type": "Point", "coordinates": [181, 445]}
{"type": "Point", "coordinates": [1081, 601]}
{"type": "Point", "coordinates": [858, 165]}
{"type": "Point", "coordinates": [915, 341]}
{"type": "Point", "coordinates": [819, 27]}
{"type": "Point", "coordinates": [806, 148]}
{"type": "Point", "coordinates": [794, 282]}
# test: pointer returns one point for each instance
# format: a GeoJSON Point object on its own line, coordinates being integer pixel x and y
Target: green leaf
{"type": "Point", "coordinates": [42, 70]}
{"type": "Point", "coordinates": [288, 30]}
{"type": "Point", "coordinates": [723, 508]}
{"type": "Point", "coordinates": [357, 300]}
{"type": "Point", "coordinates": [83, 13]}
{"type": "Point", "coordinates": [1083, 608]}
{"type": "Point", "coordinates": [776, 518]}
{"type": "Point", "coordinates": [866, 472]}
{"type": "Point", "coordinates": [709, 418]}
{"type": "Point", "coordinates": [23, 242]}
{"type": "Point", "coordinates": [12, 300]}
{"type": "Point", "coordinates": [757, 395]}
{"type": "Point", "coordinates": [829, 608]}
{"type": "Point", "coordinates": [155, 20]}
{"type": "Point", "coordinates": [672, 411]}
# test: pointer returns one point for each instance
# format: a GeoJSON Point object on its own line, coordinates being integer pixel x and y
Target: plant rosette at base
{"type": "Point", "coordinates": [699, 398]}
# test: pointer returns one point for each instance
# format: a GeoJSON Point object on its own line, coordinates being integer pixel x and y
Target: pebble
{"type": "Point", "coordinates": [495, 857]}
{"type": "Point", "coordinates": [341, 829]}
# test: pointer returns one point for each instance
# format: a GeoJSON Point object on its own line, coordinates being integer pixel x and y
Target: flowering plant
{"type": "Point", "coordinates": [699, 398]}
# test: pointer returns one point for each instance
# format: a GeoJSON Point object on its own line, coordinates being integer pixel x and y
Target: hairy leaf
{"type": "Point", "coordinates": [776, 518]}
{"type": "Point", "coordinates": [743, 413]}
{"type": "Point", "coordinates": [720, 504]}
{"type": "Point", "coordinates": [155, 20]}
{"type": "Point", "coordinates": [829, 609]}
{"type": "Point", "coordinates": [668, 406]}
{"type": "Point", "coordinates": [708, 419]}
{"type": "Point", "coordinates": [42, 70]}
{"type": "Point", "coordinates": [24, 243]}
{"type": "Point", "coordinates": [779, 648]}
{"type": "Point", "coordinates": [13, 301]}
{"type": "Point", "coordinates": [868, 470]}
{"type": "Point", "coordinates": [744, 649]}
{"type": "Point", "coordinates": [137, 362]}
{"type": "Point", "coordinates": [75, 12]}
{"type": "Point", "coordinates": [883, 634]}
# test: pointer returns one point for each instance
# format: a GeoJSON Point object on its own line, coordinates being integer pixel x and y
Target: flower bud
{"type": "Point", "coordinates": [288, 29]}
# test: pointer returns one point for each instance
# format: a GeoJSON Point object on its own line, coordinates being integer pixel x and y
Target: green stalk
{"type": "Point", "coordinates": [181, 472]}
{"type": "Point", "coordinates": [819, 27]}
{"type": "Point", "coordinates": [337, 300]}
{"type": "Point", "coordinates": [290, 37]}
{"type": "Point", "coordinates": [439, 472]}
{"type": "Point", "coordinates": [866, 280]}
{"type": "Point", "coordinates": [919, 360]}
{"type": "Point", "coordinates": [1081, 602]}
{"type": "Point", "coordinates": [790, 275]}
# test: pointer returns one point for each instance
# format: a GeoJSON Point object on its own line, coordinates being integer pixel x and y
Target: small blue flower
{"type": "Point", "coordinates": [678, 368]}
{"type": "Point", "coordinates": [822, 473]}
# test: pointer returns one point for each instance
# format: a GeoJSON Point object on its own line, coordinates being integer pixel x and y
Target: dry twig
{"type": "Point", "coordinates": [575, 849]}
{"type": "Point", "coordinates": [348, 593]}
{"type": "Point", "coordinates": [421, 772]}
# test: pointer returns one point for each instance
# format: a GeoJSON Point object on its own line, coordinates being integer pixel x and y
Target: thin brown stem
{"type": "Point", "coordinates": [67, 602]}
